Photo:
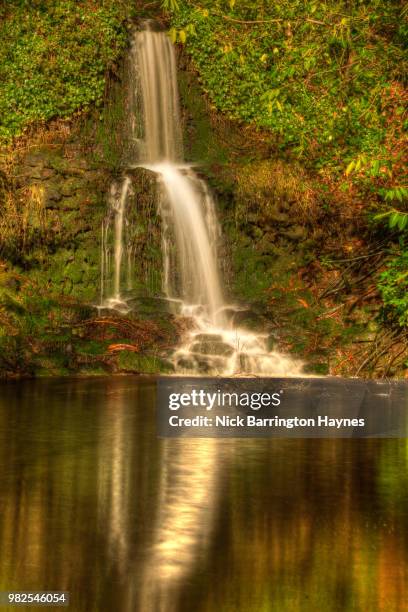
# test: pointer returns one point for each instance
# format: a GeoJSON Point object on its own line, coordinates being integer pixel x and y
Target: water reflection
{"type": "Point", "coordinates": [187, 498]}
{"type": "Point", "coordinates": [92, 502]}
{"type": "Point", "coordinates": [114, 480]}
{"type": "Point", "coordinates": [182, 519]}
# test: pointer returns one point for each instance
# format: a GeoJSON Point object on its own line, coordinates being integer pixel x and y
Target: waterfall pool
{"type": "Point", "coordinates": [93, 503]}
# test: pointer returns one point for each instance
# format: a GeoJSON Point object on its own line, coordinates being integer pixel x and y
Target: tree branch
{"type": "Point", "coordinates": [228, 18]}
{"type": "Point", "coordinates": [251, 21]}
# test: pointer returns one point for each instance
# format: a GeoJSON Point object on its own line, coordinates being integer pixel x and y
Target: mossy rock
{"type": "Point", "coordinates": [144, 364]}
{"type": "Point", "coordinates": [212, 348]}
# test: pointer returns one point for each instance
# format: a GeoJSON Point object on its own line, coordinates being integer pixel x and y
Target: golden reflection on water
{"type": "Point", "coordinates": [187, 499]}
{"type": "Point", "coordinates": [114, 477]}
{"type": "Point", "coordinates": [92, 502]}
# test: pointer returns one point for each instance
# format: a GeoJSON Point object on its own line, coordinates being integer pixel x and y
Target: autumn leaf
{"type": "Point", "coordinates": [115, 348]}
{"type": "Point", "coordinates": [303, 303]}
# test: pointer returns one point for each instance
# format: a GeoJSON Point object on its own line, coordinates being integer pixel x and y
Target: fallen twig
{"type": "Point", "coordinates": [250, 21]}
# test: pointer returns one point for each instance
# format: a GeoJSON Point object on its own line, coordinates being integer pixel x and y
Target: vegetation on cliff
{"type": "Point", "coordinates": [54, 55]}
{"type": "Point", "coordinates": [59, 76]}
{"type": "Point", "coordinates": [324, 77]}
{"type": "Point", "coordinates": [326, 81]}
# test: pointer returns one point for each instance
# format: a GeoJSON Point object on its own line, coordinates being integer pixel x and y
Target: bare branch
{"type": "Point", "coordinates": [228, 18]}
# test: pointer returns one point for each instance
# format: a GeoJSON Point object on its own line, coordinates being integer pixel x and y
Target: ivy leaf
{"type": "Point", "coordinates": [393, 220]}
{"type": "Point", "coordinates": [173, 35]}
{"type": "Point", "coordinates": [402, 222]}
{"type": "Point", "coordinates": [375, 167]}
{"type": "Point", "coordinates": [350, 167]}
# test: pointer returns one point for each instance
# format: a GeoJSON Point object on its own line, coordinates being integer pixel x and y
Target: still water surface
{"type": "Point", "coordinates": [92, 502]}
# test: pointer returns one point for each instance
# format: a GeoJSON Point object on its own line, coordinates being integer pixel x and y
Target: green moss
{"type": "Point", "coordinates": [144, 364]}
{"type": "Point", "coordinates": [200, 144]}
{"type": "Point", "coordinates": [317, 368]}
{"type": "Point", "coordinates": [92, 347]}
{"type": "Point", "coordinates": [252, 274]}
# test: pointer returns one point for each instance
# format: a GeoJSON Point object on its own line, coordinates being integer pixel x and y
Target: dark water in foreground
{"type": "Point", "coordinates": [93, 503]}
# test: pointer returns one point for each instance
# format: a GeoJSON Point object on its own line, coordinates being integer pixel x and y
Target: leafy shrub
{"type": "Point", "coordinates": [321, 76]}
{"type": "Point", "coordinates": [53, 58]}
{"type": "Point", "coordinates": [393, 285]}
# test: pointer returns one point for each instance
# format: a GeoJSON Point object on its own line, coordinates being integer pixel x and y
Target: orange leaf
{"type": "Point", "coordinates": [113, 348]}
{"type": "Point", "coordinates": [304, 304]}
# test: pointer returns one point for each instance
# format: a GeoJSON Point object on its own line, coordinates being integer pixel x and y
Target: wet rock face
{"type": "Point", "coordinates": [208, 338]}
{"type": "Point", "coordinates": [62, 177]}
{"type": "Point", "coordinates": [61, 193]}
{"type": "Point", "coordinates": [201, 364]}
{"type": "Point", "coordinates": [212, 348]}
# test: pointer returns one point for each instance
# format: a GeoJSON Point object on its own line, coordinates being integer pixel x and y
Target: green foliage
{"type": "Point", "coordinates": [170, 5]}
{"type": "Point", "coordinates": [31, 324]}
{"type": "Point", "coordinates": [395, 193]}
{"type": "Point", "coordinates": [321, 76]}
{"type": "Point", "coordinates": [53, 58]}
{"type": "Point", "coordinates": [146, 364]}
{"type": "Point", "coordinates": [327, 81]}
{"type": "Point", "coordinates": [397, 219]}
{"type": "Point", "coordinates": [393, 285]}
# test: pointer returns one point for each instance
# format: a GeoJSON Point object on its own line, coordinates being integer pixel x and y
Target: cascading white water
{"type": "Point", "coordinates": [191, 267]}
{"type": "Point", "coordinates": [117, 208]}
{"type": "Point", "coordinates": [154, 58]}
{"type": "Point", "coordinates": [191, 277]}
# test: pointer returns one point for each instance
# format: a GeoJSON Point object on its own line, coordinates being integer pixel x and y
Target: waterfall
{"type": "Point", "coordinates": [192, 270]}
{"type": "Point", "coordinates": [190, 229]}
{"type": "Point", "coordinates": [118, 195]}
{"type": "Point", "coordinates": [153, 55]}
